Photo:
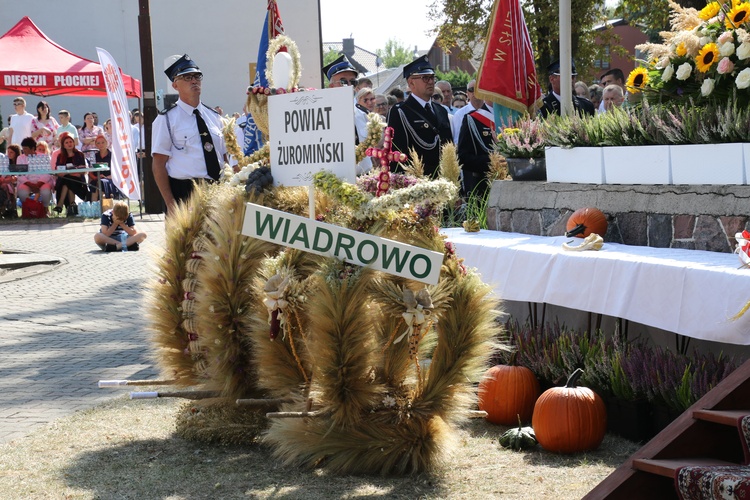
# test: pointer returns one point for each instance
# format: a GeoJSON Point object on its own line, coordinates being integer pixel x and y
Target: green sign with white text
{"type": "Point", "coordinates": [350, 246]}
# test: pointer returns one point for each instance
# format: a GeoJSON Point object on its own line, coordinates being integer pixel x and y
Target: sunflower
{"type": "Point", "coordinates": [637, 79]}
{"type": "Point", "coordinates": [739, 14]}
{"type": "Point", "coordinates": [681, 50]}
{"type": "Point", "coordinates": [707, 56]}
{"type": "Point", "coordinates": [709, 11]}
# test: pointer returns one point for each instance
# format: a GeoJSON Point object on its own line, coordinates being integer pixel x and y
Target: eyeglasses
{"type": "Point", "coordinates": [345, 82]}
{"type": "Point", "coordinates": [194, 77]}
{"type": "Point", "coordinates": [426, 78]}
{"type": "Point", "coordinates": [381, 105]}
{"type": "Point", "coordinates": [17, 104]}
{"type": "Point", "coordinates": [437, 97]}
{"type": "Point", "coordinates": [470, 89]}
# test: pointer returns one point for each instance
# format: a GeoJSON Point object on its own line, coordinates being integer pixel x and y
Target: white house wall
{"type": "Point", "coordinates": [221, 36]}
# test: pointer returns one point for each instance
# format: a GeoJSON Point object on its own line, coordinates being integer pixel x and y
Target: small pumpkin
{"type": "Point", "coordinates": [518, 438]}
{"type": "Point", "coordinates": [508, 392]}
{"type": "Point", "coordinates": [586, 221]}
{"type": "Point", "coordinates": [569, 419]}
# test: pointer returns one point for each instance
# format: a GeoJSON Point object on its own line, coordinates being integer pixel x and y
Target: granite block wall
{"type": "Point", "coordinates": [692, 217]}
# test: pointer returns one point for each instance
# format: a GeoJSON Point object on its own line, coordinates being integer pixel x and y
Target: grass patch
{"type": "Point", "coordinates": [128, 449]}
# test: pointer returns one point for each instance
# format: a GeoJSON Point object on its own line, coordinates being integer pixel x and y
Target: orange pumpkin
{"type": "Point", "coordinates": [507, 393]}
{"type": "Point", "coordinates": [569, 419]}
{"type": "Point", "coordinates": [585, 221]}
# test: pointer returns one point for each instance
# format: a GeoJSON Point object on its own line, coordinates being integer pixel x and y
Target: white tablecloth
{"type": "Point", "coordinates": [690, 292]}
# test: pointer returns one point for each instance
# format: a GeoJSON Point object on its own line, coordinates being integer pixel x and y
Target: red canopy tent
{"type": "Point", "coordinates": [31, 63]}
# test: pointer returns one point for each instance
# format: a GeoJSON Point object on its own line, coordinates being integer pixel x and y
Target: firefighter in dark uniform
{"type": "Point", "coordinates": [551, 102]}
{"type": "Point", "coordinates": [475, 141]}
{"type": "Point", "coordinates": [416, 122]}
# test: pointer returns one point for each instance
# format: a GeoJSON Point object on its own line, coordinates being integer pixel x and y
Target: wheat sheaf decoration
{"type": "Point", "coordinates": [376, 408]}
{"type": "Point", "coordinates": [363, 371]}
{"type": "Point", "coordinates": [177, 347]}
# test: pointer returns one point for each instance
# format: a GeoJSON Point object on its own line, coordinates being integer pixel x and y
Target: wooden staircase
{"type": "Point", "coordinates": [705, 434]}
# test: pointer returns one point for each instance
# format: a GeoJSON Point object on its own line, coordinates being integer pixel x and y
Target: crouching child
{"type": "Point", "coordinates": [117, 231]}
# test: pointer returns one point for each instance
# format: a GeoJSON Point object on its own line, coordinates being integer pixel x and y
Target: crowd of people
{"type": "Point", "coordinates": [598, 97]}
{"type": "Point", "coordinates": [67, 147]}
{"type": "Point", "coordinates": [429, 114]}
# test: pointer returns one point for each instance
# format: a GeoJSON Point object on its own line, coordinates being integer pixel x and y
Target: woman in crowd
{"type": "Point", "coordinates": [70, 185]}
{"type": "Point", "coordinates": [108, 130]}
{"type": "Point", "coordinates": [8, 185]}
{"type": "Point", "coordinates": [459, 101]}
{"type": "Point", "coordinates": [89, 132]}
{"type": "Point", "coordinates": [39, 184]}
{"type": "Point", "coordinates": [44, 126]}
{"type": "Point", "coordinates": [103, 155]}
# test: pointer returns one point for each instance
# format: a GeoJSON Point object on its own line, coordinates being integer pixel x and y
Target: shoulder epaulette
{"type": "Point", "coordinates": [212, 109]}
{"type": "Point", "coordinates": [166, 110]}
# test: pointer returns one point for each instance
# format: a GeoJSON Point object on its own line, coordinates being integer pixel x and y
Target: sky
{"type": "Point", "coordinates": [403, 20]}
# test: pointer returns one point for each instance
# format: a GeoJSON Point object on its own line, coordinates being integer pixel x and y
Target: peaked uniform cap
{"type": "Point", "coordinates": [340, 65]}
{"type": "Point", "coordinates": [554, 68]}
{"type": "Point", "coordinates": [419, 66]}
{"type": "Point", "coordinates": [182, 66]}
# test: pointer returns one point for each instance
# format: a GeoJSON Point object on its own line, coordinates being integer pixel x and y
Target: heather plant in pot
{"type": "Point", "coordinates": [522, 145]}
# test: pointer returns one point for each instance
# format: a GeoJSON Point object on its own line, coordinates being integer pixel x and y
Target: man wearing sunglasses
{"type": "Point", "coordinates": [417, 123]}
{"type": "Point", "coordinates": [341, 73]}
{"type": "Point", "coordinates": [187, 144]}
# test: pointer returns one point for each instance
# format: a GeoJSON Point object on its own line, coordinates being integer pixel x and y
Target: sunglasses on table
{"type": "Point", "coordinates": [344, 82]}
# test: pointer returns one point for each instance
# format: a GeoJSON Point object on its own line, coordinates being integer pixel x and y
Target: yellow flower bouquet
{"type": "Point", "coordinates": [706, 55]}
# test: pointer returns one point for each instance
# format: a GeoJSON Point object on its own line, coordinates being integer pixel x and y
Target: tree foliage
{"type": "Point", "coordinates": [651, 15]}
{"type": "Point", "coordinates": [330, 56]}
{"type": "Point", "coordinates": [463, 25]}
{"type": "Point", "coordinates": [457, 78]}
{"type": "Point", "coordinates": [395, 54]}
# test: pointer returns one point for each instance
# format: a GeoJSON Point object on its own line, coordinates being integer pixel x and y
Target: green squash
{"type": "Point", "coordinates": [518, 438]}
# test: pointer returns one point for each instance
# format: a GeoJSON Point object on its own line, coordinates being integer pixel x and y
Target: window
{"type": "Point", "coordinates": [604, 62]}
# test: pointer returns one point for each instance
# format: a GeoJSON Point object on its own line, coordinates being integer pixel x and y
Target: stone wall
{"type": "Point", "coordinates": [677, 216]}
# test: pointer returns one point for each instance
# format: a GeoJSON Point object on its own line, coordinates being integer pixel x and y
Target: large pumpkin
{"type": "Point", "coordinates": [569, 419]}
{"type": "Point", "coordinates": [507, 393]}
{"type": "Point", "coordinates": [585, 221]}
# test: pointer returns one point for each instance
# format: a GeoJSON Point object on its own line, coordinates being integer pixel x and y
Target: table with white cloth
{"type": "Point", "coordinates": [7, 173]}
{"type": "Point", "coordinates": [693, 293]}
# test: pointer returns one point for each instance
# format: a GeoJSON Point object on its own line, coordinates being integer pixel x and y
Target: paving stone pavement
{"type": "Point", "coordinates": [63, 330]}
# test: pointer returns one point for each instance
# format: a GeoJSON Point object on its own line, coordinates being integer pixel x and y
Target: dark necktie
{"type": "Point", "coordinates": [212, 161]}
{"type": "Point", "coordinates": [430, 113]}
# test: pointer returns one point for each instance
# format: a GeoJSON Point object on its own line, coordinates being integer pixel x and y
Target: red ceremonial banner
{"type": "Point", "coordinates": [507, 74]}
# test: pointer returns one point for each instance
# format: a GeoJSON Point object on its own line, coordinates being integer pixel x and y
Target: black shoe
{"type": "Point", "coordinates": [133, 248]}
{"type": "Point", "coordinates": [110, 248]}
{"type": "Point", "coordinates": [58, 210]}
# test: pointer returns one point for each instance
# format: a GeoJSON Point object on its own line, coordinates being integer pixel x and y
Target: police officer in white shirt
{"type": "Point", "coordinates": [187, 140]}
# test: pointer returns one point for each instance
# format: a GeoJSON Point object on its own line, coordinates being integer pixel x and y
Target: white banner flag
{"type": "Point", "coordinates": [123, 165]}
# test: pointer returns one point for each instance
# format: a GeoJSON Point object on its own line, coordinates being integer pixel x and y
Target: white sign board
{"type": "Point", "coordinates": [311, 131]}
{"type": "Point", "coordinates": [350, 246]}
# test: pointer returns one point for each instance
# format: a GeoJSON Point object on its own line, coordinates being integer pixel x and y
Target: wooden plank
{"type": "Point", "coordinates": [724, 417]}
{"type": "Point", "coordinates": [668, 467]}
